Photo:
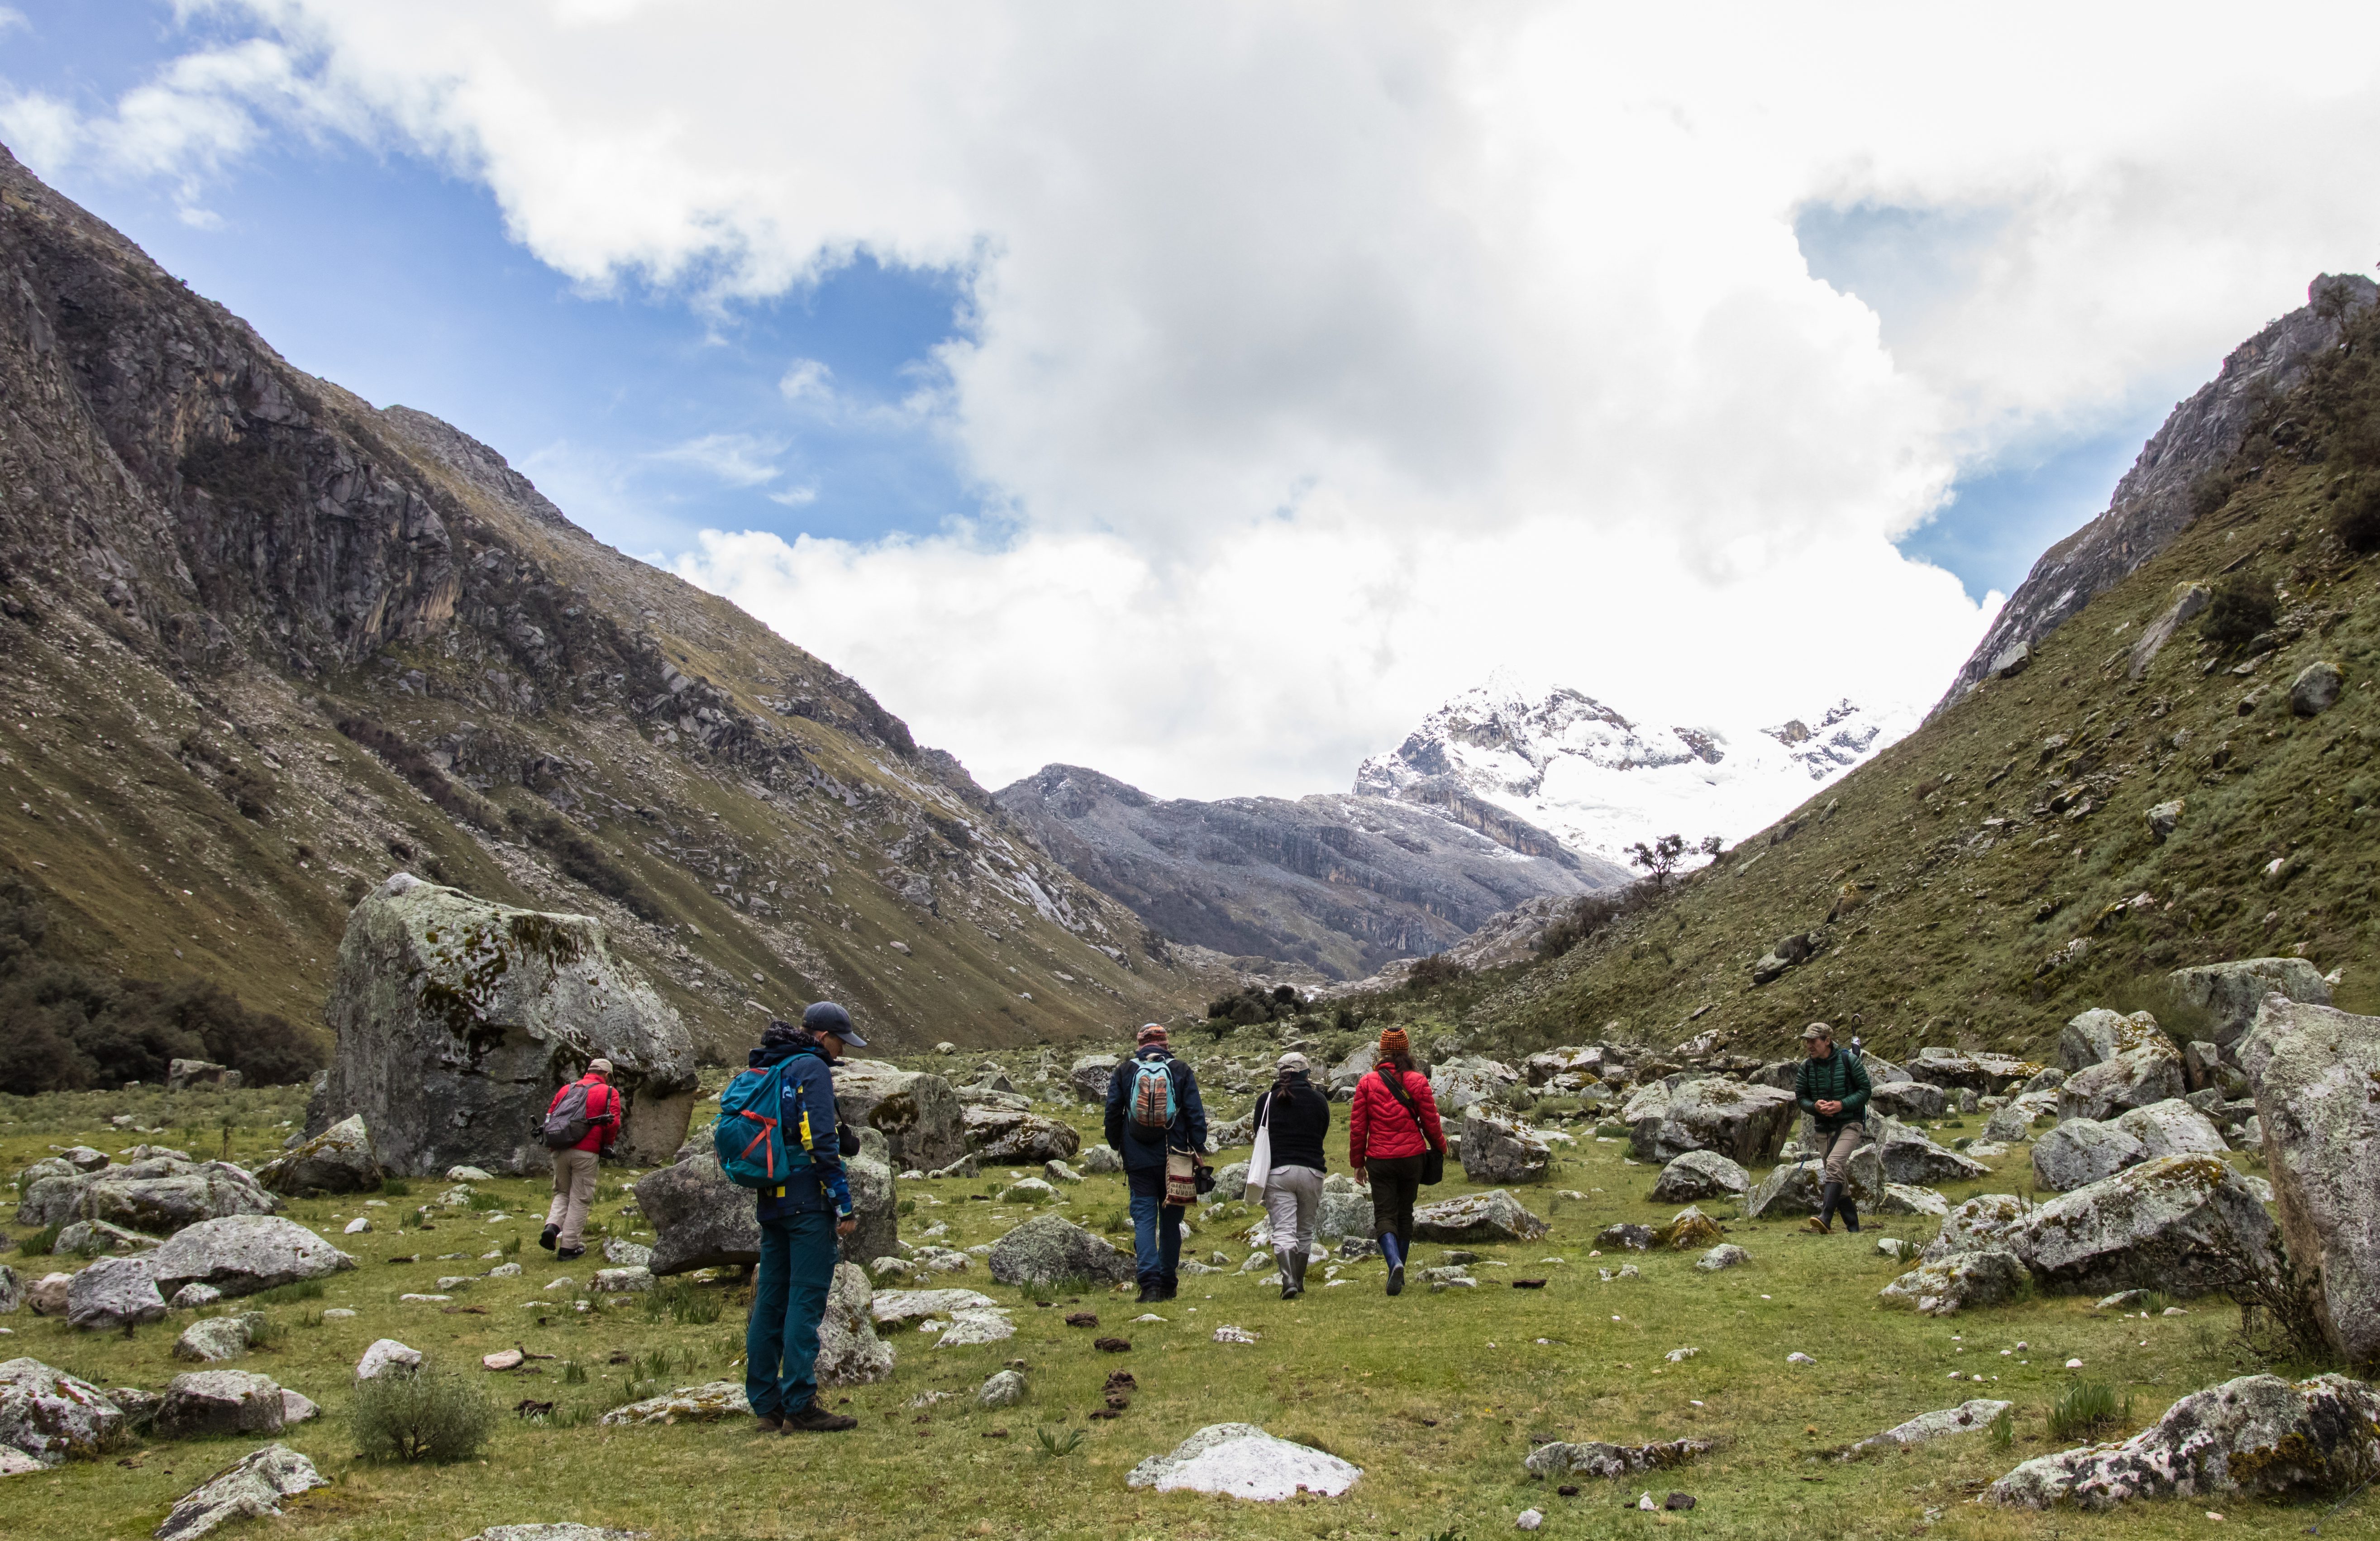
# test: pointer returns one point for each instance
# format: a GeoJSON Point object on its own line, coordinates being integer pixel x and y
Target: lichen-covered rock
{"type": "Point", "coordinates": [1048, 1249]}
{"type": "Point", "coordinates": [2017, 1119]}
{"type": "Point", "coordinates": [1908, 1100]}
{"type": "Point", "coordinates": [1006, 1135]}
{"type": "Point", "coordinates": [2098, 1035]}
{"type": "Point", "coordinates": [1978, 1223]}
{"type": "Point", "coordinates": [251, 1488]}
{"type": "Point", "coordinates": [95, 1236]}
{"type": "Point", "coordinates": [1101, 1161]}
{"type": "Point", "coordinates": [1745, 1124]}
{"type": "Point", "coordinates": [1595, 1459]}
{"type": "Point", "coordinates": [2173, 1128]}
{"type": "Point", "coordinates": [1243, 1461]}
{"type": "Point", "coordinates": [1458, 1084]}
{"type": "Point", "coordinates": [1989, 1277]}
{"type": "Point", "coordinates": [918, 1113]}
{"type": "Point", "coordinates": [387, 1356]}
{"type": "Point", "coordinates": [209, 1402]}
{"type": "Point", "coordinates": [1700, 1174]}
{"type": "Point", "coordinates": [113, 1292]}
{"type": "Point", "coordinates": [1790, 1189]}
{"type": "Point", "coordinates": [153, 1196]}
{"type": "Point", "coordinates": [46, 1297]}
{"type": "Point", "coordinates": [700, 1219]}
{"type": "Point", "coordinates": [1953, 1070]}
{"type": "Point", "coordinates": [1005, 1389]}
{"type": "Point", "coordinates": [1903, 1198]}
{"type": "Point", "coordinates": [688, 1404]}
{"type": "Point", "coordinates": [1968, 1417]}
{"type": "Point", "coordinates": [1896, 1152]}
{"type": "Point", "coordinates": [1499, 1149]}
{"type": "Point", "coordinates": [2232, 991]}
{"type": "Point", "coordinates": [850, 1353]}
{"type": "Point", "coordinates": [243, 1253]}
{"type": "Point", "coordinates": [1342, 1215]}
{"type": "Point", "coordinates": [2258, 1435]}
{"type": "Point", "coordinates": [211, 1339]}
{"type": "Point", "coordinates": [337, 1160]}
{"type": "Point", "coordinates": [899, 1308]}
{"type": "Point", "coordinates": [2184, 1224]}
{"type": "Point", "coordinates": [1727, 1254]}
{"type": "Point", "coordinates": [12, 1291]}
{"type": "Point", "coordinates": [50, 1415]}
{"type": "Point", "coordinates": [2082, 1151]}
{"type": "Point", "coordinates": [2133, 1079]}
{"type": "Point", "coordinates": [2315, 689]}
{"type": "Point", "coordinates": [1494, 1216]}
{"type": "Point", "coordinates": [1089, 1076]}
{"type": "Point", "coordinates": [2318, 1106]}
{"type": "Point", "coordinates": [458, 1018]}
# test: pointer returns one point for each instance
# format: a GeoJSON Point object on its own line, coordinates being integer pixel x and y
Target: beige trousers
{"type": "Point", "coordinates": [1847, 1139]}
{"type": "Point", "coordinates": [574, 1191]}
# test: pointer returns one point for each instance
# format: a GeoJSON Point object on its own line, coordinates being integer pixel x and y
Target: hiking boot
{"type": "Point", "coordinates": [1821, 1227]}
{"type": "Point", "coordinates": [771, 1424]}
{"type": "Point", "coordinates": [1168, 1290]}
{"type": "Point", "coordinates": [570, 1254]}
{"type": "Point", "coordinates": [546, 1239]}
{"type": "Point", "coordinates": [1148, 1295]}
{"type": "Point", "coordinates": [810, 1418]}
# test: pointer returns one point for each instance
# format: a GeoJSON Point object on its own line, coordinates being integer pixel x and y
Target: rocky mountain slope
{"type": "Point", "coordinates": [2165, 785]}
{"type": "Point", "coordinates": [260, 644]}
{"type": "Point", "coordinates": [2178, 477]}
{"type": "Point", "coordinates": [1336, 884]}
{"type": "Point", "coordinates": [1572, 766]}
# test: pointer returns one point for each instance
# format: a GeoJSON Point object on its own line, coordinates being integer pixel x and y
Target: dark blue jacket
{"type": "Point", "coordinates": [1188, 1129]}
{"type": "Point", "coordinates": [820, 1187]}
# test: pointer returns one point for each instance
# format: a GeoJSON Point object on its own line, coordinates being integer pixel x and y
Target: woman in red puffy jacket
{"type": "Point", "coordinates": [1388, 1134]}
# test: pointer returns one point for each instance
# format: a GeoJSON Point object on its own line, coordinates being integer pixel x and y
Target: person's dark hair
{"type": "Point", "coordinates": [1402, 1060]}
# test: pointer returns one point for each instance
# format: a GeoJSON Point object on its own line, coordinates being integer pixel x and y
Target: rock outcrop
{"type": "Point", "coordinates": [251, 1488]}
{"type": "Point", "coordinates": [50, 1416]}
{"type": "Point", "coordinates": [1496, 1149]}
{"type": "Point", "coordinates": [700, 1219]}
{"type": "Point", "coordinates": [2231, 992]}
{"type": "Point", "coordinates": [2258, 1435]}
{"type": "Point", "coordinates": [243, 1253]}
{"type": "Point", "coordinates": [2081, 1151]}
{"type": "Point", "coordinates": [2318, 1100]}
{"type": "Point", "coordinates": [113, 1293]}
{"type": "Point", "coordinates": [1049, 1248]}
{"type": "Point", "coordinates": [1743, 1123]}
{"type": "Point", "coordinates": [338, 1160]}
{"type": "Point", "coordinates": [152, 1197]}
{"type": "Point", "coordinates": [918, 1113]}
{"type": "Point", "coordinates": [2152, 502]}
{"type": "Point", "coordinates": [2184, 1224]}
{"type": "Point", "coordinates": [457, 1019]}
{"type": "Point", "coordinates": [2133, 1079]}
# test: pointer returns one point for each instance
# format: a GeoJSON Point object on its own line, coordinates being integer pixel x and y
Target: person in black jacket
{"type": "Point", "coordinates": [1146, 1147]}
{"type": "Point", "coordinates": [1299, 1118]}
{"type": "Point", "coordinates": [1832, 1088]}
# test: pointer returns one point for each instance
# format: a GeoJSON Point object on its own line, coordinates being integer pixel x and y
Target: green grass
{"type": "Point", "coordinates": [1435, 1396]}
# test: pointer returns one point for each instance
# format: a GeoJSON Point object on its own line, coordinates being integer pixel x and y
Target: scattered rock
{"type": "Point", "coordinates": [251, 1488]}
{"type": "Point", "coordinates": [46, 1297]}
{"type": "Point", "coordinates": [1897, 1153]}
{"type": "Point", "coordinates": [89, 1236]}
{"type": "Point", "coordinates": [899, 1308]}
{"type": "Point", "coordinates": [1976, 1225]}
{"type": "Point", "coordinates": [1501, 1149]}
{"type": "Point", "coordinates": [706, 1403]}
{"type": "Point", "coordinates": [2082, 1151]}
{"type": "Point", "coordinates": [468, 1174]}
{"type": "Point", "coordinates": [920, 1115]}
{"type": "Point", "coordinates": [2173, 1128]}
{"type": "Point", "coordinates": [1243, 1461]}
{"type": "Point", "coordinates": [621, 1281]}
{"type": "Point", "coordinates": [1790, 1189]}
{"type": "Point", "coordinates": [1598, 1459]}
{"type": "Point", "coordinates": [567, 1531]}
{"type": "Point", "coordinates": [1058, 1172]}
{"type": "Point", "coordinates": [1968, 1417]}
{"type": "Point", "coordinates": [385, 1355]}
{"type": "Point", "coordinates": [2015, 1120]}
{"type": "Point", "coordinates": [1908, 1100]}
{"type": "Point", "coordinates": [2185, 1224]}
{"type": "Point", "coordinates": [2232, 991]}
{"type": "Point", "coordinates": [700, 1219]}
{"type": "Point", "coordinates": [1530, 1519]}
{"type": "Point", "coordinates": [2133, 1079]}
{"type": "Point", "coordinates": [242, 1254]}
{"type": "Point", "coordinates": [1476, 1219]}
{"type": "Point", "coordinates": [850, 1353]}
{"type": "Point", "coordinates": [2257, 1435]}
{"type": "Point", "coordinates": [113, 1292]}
{"type": "Point", "coordinates": [2097, 1035]}
{"type": "Point", "coordinates": [211, 1339]}
{"type": "Point", "coordinates": [456, 1018]}
{"type": "Point", "coordinates": [1901, 1198]}
{"type": "Point", "coordinates": [1700, 1174]}
{"type": "Point", "coordinates": [209, 1402]}
{"type": "Point", "coordinates": [1688, 1229]}
{"type": "Point", "coordinates": [1727, 1254]}
{"type": "Point", "coordinates": [2318, 1100]}
{"type": "Point", "coordinates": [1745, 1123]}
{"type": "Point", "coordinates": [337, 1160]}
{"type": "Point", "coordinates": [620, 1252]}
{"type": "Point", "coordinates": [2315, 689]}
{"type": "Point", "coordinates": [975, 1328]}
{"type": "Point", "coordinates": [1625, 1237]}
{"type": "Point", "coordinates": [50, 1416]}
{"type": "Point", "coordinates": [1101, 1161]}
{"type": "Point", "coordinates": [1004, 1389]}
{"type": "Point", "coordinates": [1048, 1249]}
{"type": "Point", "coordinates": [155, 1196]}
{"type": "Point", "coordinates": [1089, 1076]}
{"type": "Point", "coordinates": [999, 1135]}
{"type": "Point", "coordinates": [1990, 1277]}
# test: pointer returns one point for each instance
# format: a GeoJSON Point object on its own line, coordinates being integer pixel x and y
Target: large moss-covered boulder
{"type": "Point", "coordinates": [458, 1019]}
{"type": "Point", "coordinates": [920, 1115]}
{"type": "Point", "coordinates": [1743, 1123]}
{"type": "Point", "coordinates": [2231, 992]}
{"type": "Point", "coordinates": [338, 1160]}
{"type": "Point", "coordinates": [2318, 1102]}
{"type": "Point", "coordinates": [2185, 1224]}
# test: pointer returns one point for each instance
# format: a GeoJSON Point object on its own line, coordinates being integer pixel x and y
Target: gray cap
{"type": "Point", "coordinates": [1818, 1030]}
{"type": "Point", "coordinates": [1293, 1061]}
{"type": "Point", "coordinates": [825, 1016]}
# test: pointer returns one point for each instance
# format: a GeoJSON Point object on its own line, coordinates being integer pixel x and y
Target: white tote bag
{"type": "Point", "coordinates": [1260, 1160]}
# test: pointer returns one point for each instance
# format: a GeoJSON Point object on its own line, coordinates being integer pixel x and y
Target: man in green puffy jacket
{"type": "Point", "coordinates": [1832, 1088]}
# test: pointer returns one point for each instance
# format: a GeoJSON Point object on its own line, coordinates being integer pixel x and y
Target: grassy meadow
{"type": "Point", "coordinates": [1437, 1395]}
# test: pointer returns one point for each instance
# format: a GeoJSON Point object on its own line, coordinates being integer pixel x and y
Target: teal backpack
{"type": "Point", "coordinates": [749, 1138]}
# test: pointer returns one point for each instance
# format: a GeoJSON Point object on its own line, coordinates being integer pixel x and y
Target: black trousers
{"type": "Point", "coordinates": [1396, 1182]}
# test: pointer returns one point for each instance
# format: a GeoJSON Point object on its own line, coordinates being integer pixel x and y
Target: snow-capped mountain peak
{"type": "Point", "coordinates": [1599, 781]}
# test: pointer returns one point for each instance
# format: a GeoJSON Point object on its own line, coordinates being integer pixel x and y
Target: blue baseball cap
{"type": "Point", "coordinates": [825, 1016]}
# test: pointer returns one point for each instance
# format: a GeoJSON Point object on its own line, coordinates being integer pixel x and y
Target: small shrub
{"type": "Point", "coordinates": [42, 1243]}
{"type": "Point", "coordinates": [2358, 522]}
{"type": "Point", "coordinates": [511, 1248]}
{"type": "Point", "coordinates": [265, 1333]}
{"type": "Point", "coordinates": [684, 1302]}
{"type": "Point", "coordinates": [906, 1208]}
{"type": "Point", "coordinates": [429, 1416]}
{"type": "Point", "coordinates": [2084, 1408]}
{"type": "Point", "coordinates": [2242, 608]}
{"type": "Point", "coordinates": [1434, 972]}
{"type": "Point", "coordinates": [482, 1201]}
{"type": "Point", "coordinates": [396, 1187]}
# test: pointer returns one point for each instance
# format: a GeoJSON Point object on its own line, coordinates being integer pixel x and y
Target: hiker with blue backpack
{"type": "Point", "coordinates": [1157, 1123]}
{"type": "Point", "coordinates": [777, 1134]}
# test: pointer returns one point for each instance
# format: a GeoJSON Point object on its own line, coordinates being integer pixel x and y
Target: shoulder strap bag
{"type": "Point", "coordinates": [1433, 1158]}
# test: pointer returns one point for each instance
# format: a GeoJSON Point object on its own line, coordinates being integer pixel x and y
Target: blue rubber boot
{"type": "Point", "coordinates": [1396, 1257]}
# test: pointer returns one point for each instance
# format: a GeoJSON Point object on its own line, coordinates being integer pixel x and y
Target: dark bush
{"type": "Point", "coordinates": [420, 772]}
{"type": "Point", "coordinates": [2241, 609]}
{"type": "Point", "coordinates": [1588, 915]}
{"type": "Point", "coordinates": [1254, 1004]}
{"type": "Point", "coordinates": [2210, 492]}
{"type": "Point", "coordinates": [2357, 524]}
{"type": "Point", "coordinates": [582, 859]}
{"type": "Point", "coordinates": [1431, 972]}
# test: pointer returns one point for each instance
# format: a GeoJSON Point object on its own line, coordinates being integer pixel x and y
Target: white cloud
{"type": "Point", "coordinates": [734, 459]}
{"type": "Point", "coordinates": [1324, 356]}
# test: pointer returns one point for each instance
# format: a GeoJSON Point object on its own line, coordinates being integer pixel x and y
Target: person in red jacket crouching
{"type": "Point", "coordinates": [1391, 1130]}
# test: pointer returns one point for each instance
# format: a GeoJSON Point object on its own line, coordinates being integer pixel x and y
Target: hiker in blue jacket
{"type": "Point", "coordinates": [800, 1222]}
{"type": "Point", "coordinates": [1144, 1132]}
